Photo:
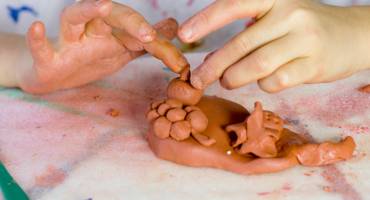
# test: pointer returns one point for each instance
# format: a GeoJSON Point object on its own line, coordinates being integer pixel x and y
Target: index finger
{"type": "Point", "coordinates": [129, 20]}
{"type": "Point", "coordinates": [219, 14]}
{"type": "Point", "coordinates": [164, 50]}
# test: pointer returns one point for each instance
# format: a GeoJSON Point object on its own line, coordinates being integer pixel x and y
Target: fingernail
{"type": "Point", "coordinates": [182, 62]}
{"type": "Point", "coordinates": [225, 83]}
{"type": "Point", "coordinates": [146, 33]}
{"type": "Point", "coordinates": [196, 82]}
{"type": "Point", "coordinates": [187, 33]}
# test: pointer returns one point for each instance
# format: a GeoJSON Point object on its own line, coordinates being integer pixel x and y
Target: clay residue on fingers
{"type": "Point", "coordinates": [164, 50]}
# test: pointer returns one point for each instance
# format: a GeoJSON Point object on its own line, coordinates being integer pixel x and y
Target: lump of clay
{"type": "Point", "coordinates": [253, 143]}
{"type": "Point", "coordinates": [181, 89]}
{"type": "Point", "coordinates": [171, 118]}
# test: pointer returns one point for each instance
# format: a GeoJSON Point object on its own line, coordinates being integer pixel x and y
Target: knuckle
{"type": "Point", "coordinates": [243, 44]}
{"type": "Point", "coordinates": [235, 3]}
{"type": "Point", "coordinates": [203, 18]}
{"type": "Point", "coordinates": [131, 17]}
{"type": "Point", "coordinates": [259, 62]}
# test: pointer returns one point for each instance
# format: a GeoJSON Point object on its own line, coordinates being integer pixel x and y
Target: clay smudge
{"type": "Point", "coordinates": [190, 3]}
{"type": "Point", "coordinates": [365, 89]}
{"type": "Point", "coordinates": [154, 4]}
{"type": "Point", "coordinates": [51, 177]}
{"type": "Point", "coordinates": [286, 187]}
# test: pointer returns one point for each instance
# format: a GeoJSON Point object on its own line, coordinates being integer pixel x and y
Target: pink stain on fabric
{"type": "Point", "coordinates": [339, 183]}
{"type": "Point", "coordinates": [285, 188]}
{"type": "Point", "coordinates": [51, 177]}
{"type": "Point", "coordinates": [190, 3]}
{"type": "Point", "coordinates": [339, 106]}
{"type": "Point", "coordinates": [154, 4]}
{"type": "Point", "coordinates": [329, 108]}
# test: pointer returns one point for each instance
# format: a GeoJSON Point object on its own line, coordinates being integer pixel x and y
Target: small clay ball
{"type": "Point", "coordinates": [191, 108]}
{"type": "Point", "coordinates": [155, 104]}
{"type": "Point", "coordinates": [163, 108]}
{"type": "Point", "coordinates": [174, 103]}
{"type": "Point", "coordinates": [180, 130]}
{"type": "Point", "coordinates": [151, 115]}
{"type": "Point", "coordinates": [198, 120]}
{"type": "Point", "coordinates": [184, 92]}
{"type": "Point", "coordinates": [176, 114]}
{"type": "Point", "coordinates": [162, 127]}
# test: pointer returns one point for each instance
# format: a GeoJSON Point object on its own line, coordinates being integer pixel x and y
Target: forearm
{"type": "Point", "coordinates": [13, 55]}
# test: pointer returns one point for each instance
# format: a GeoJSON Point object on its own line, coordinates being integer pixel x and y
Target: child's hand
{"type": "Point", "coordinates": [88, 48]}
{"type": "Point", "coordinates": [292, 42]}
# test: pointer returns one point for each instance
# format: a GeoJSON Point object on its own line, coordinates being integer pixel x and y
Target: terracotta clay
{"type": "Point", "coordinates": [255, 143]}
{"type": "Point", "coordinates": [181, 89]}
{"type": "Point", "coordinates": [258, 134]}
{"type": "Point", "coordinates": [365, 89]}
{"type": "Point", "coordinates": [172, 119]}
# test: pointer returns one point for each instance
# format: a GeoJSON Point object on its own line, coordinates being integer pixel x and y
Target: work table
{"type": "Point", "coordinates": [89, 142]}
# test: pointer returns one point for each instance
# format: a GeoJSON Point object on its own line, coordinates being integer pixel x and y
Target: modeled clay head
{"type": "Point", "coordinates": [172, 119]}
{"type": "Point", "coordinates": [258, 134]}
{"type": "Point", "coordinates": [181, 89]}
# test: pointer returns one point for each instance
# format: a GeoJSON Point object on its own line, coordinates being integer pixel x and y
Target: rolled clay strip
{"type": "Point", "coordinates": [203, 139]}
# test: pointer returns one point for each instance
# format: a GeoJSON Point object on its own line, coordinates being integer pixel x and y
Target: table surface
{"type": "Point", "coordinates": [65, 146]}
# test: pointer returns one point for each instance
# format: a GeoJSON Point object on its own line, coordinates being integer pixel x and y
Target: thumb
{"type": "Point", "coordinates": [38, 44]}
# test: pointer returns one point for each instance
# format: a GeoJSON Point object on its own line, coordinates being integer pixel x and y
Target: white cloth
{"type": "Point", "coordinates": [17, 15]}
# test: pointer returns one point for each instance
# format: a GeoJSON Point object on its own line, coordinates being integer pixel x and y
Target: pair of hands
{"type": "Point", "coordinates": [292, 42]}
